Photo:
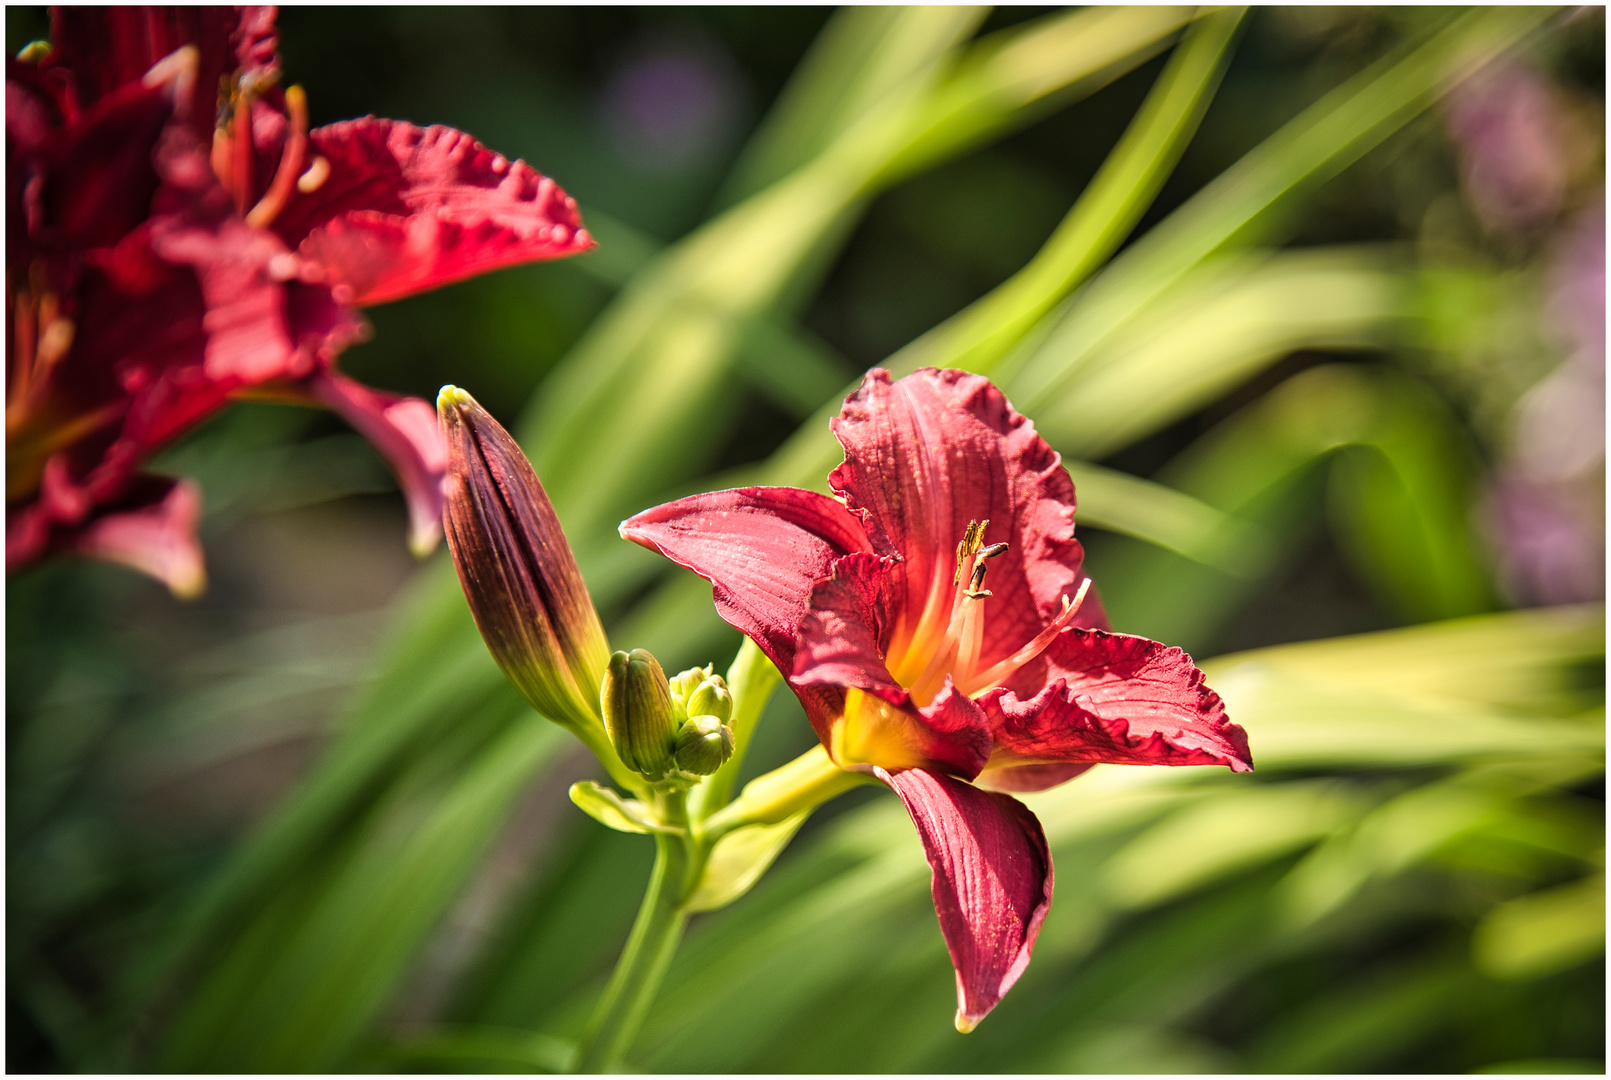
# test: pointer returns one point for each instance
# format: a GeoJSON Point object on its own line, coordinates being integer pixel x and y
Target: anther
{"type": "Point", "coordinates": [314, 178]}
{"type": "Point", "coordinates": [972, 537]}
{"type": "Point", "coordinates": [976, 589]}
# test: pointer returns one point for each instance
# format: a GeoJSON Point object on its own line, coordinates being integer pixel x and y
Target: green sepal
{"type": "Point", "coordinates": [739, 859]}
{"type": "Point", "coordinates": [607, 808]}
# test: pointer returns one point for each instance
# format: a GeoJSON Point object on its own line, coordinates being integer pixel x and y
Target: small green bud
{"type": "Point", "coordinates": [703, 745]}
{"type": "Point", "coordinates": [636, 702]}
{"type": "Point", "coordinates": [682, 685]}
{"type": "Point", "coordinates": [710, 698]}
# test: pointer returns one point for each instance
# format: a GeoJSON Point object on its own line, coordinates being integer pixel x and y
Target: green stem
{"type": "Point", "coordinates": [643, 962]}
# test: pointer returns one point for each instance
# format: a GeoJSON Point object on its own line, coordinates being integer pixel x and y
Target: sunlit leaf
{"type": "Point", "coordinates": [739, 859]}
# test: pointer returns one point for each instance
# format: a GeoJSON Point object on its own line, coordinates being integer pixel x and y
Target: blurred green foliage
{"type": "Point", "coordinates": [1225, 265]}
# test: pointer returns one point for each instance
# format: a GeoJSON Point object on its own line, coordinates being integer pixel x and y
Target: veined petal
{"type": "Point", "coordinates": [404, 430]}
{"type": "Point", "coordinates": [405, 209]}
{"type": "Point", "coordinates": [926, 455]}
{"type": "Point", "coordinates": [762, 549]}
{"type": "Point", "coordinates": [1115, 698]}
{"type": "Point", "coordinates": [992, 881]}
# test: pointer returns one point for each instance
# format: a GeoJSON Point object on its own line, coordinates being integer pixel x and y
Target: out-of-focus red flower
{"type": "Point", "coordinates": [935, 622]}
{"type": "Point", "coordinates": [177, 238]}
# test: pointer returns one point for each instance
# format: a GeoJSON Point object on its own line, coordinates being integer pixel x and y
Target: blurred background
{"type": "Point", "coordinates": [1343, 375]}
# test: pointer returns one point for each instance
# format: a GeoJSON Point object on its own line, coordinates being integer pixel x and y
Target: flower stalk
{"type": "Point", "coordinates": [653, 942]}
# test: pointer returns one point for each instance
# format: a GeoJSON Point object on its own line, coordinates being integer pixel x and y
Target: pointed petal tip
{"type": "Point", "coordinates": [966, 1023]}
{"type": "Point", "coordinates": [423, 541]}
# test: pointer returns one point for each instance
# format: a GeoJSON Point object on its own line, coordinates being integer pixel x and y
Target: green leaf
{"type": "Point", "coordinates": [739, 859]}
{"type": "Point", "coordinates": [1208, 840]}
{"type": "Point", "coordinates": [1543, 932]}
{"type": "Point", "coordinates": [1126, 184]}
{"type": "Point", "coordinates": [863, 55]}
{"type": "Point", "coordinates": [306, 978]}
{"type": "Point", "coordinates": [1222, 323]}
{"type": "Point", "coordinates": [1162, 516]}
{"type": "Point", "coordinates": [606, 807]}
{"type": "Point", "coordinates": [1318, 144]}
{"type": "Point", "coordinates": [1401, 502]}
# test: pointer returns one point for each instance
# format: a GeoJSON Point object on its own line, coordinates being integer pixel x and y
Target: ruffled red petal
{"type": "Point", "coordinates": [1115, 698]}
{"type": "Point", "coordinates": [405, 209]}
{"type": "Point", "coordinates": [935, 450]}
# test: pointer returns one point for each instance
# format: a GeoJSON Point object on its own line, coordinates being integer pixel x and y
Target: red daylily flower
{"type": "Point", "coordinates": [177, 238]}
{"type": "Point", "coordinates": [935, 621]}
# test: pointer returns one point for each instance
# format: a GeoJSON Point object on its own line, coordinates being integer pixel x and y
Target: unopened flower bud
{"type": "Point", "coordinates": [683, 684]}
{"type": "Point", "coordinates": [518, 573]}
{"type": "Point", "coordinates": [637, 712]}
{"type": "Point", "coordinates": [704, 744]}
{"type": "Point", "coordinates": [711, 698]}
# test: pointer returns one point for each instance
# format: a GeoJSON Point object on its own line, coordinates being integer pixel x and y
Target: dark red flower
{"type": "Point", "coordinates": [177, 238]}
{"type": "Point", "coordinates": [936, 623]}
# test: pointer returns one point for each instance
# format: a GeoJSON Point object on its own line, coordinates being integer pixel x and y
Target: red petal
{"type": "Point", "coordinates": [158, 538]}
{"type": "Point", "coordinates": [992, 881]}
{"type": "Point", "coordinates": [1030, 777]}
{"type": "Point", "coordinates": [151, 526]}
{"type": "Point", "coordinates": [842, 638]}
{"type": "Point", "coordinates": [1115, 698]}
{"type": "Point", "coordinates": [762, 549]}
{"type": "Point", "coordinates": [405, 432]}
{"type": "Point", "coordinates": [259, 325]}
{"type": "Point", "coordinates": [97, 176]}
{"type": "Point", "coordinates": [926, 455]}
{"type": "Point", "coordinates": [406, 209]}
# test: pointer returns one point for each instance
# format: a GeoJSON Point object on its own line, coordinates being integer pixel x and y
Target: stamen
{"type": "Point", "coordinates": [296, 145]}
{"type": "Point", "coordinates": [223, 158]}
{"type": "Point", "coordinates": [24, 334]}
{"type": "Point", "coordinates": [53, 344]}
{"type": "Point", "coordinates": [970, 639]}
{"type": "Point", "coordinates": [240, 171]}
{"type": "Point", "coordinates": [314, 178]}
{"type": "Point", "coordinates": [968, 550]}
{"type": "Point", "coordinates": [998, 672]}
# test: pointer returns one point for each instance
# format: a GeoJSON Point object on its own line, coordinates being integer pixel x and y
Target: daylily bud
{"type": "Point", "coordinates": [703, 745]}
{"type": "Point", "coordinates": [637, 712]}
{"type": "Point", "coordinates": [516, 567]}
{"type": "Point", "coordinates": [682, 685]}
{"type": "Point", "coordinates": [711, 698]}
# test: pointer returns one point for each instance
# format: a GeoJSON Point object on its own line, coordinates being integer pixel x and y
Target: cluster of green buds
{"type": "Point", "coordinates": [669, 731]}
